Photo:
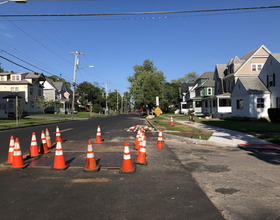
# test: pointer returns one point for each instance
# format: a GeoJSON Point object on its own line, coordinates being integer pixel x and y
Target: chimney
{"type": "Point", "coordinates": [10, 71]}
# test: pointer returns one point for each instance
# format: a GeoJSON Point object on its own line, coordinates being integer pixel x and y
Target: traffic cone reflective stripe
{"type": "Point", "coordinates": [139, 140]}
{"type": "Point", "coordinates": [11, 151]}
{"type": "Point", "coordinates": [160, 141]}
{"type": "Point", "coordinates": [91, 163]}
{"type": "Point", "coordinates": [141, 159]}
{"type": "Point", "coordinates": [48, 138]}
{"type": "Point", "coordinates": [59, 162]}
{"type": "Point", "coordinates": [127, 166]}
{"type": "Point", "coordinates": [33, 146]}
{"type": "Point", "coordinates": [98, 139]}
{"type": "Point", "coordinates": [44, 147]}
{"type": "Point", "coordinates": [17, 157]}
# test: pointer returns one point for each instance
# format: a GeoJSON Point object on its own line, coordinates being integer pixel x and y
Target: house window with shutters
{"type": "Point", "coordinates": [209, 91]}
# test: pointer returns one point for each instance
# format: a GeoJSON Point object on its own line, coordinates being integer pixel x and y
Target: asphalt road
{"type": "Point", "coordinates": [163, 189]}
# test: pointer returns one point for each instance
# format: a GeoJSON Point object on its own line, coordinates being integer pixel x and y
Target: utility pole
{"type": "Point", "coordinates": [74, 80]}
{"type": "Point", "coordinates": [117, 101]}
{"type": "Point", "coordinates": [106, 111]}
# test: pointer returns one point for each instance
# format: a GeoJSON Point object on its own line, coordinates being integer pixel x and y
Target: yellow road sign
{"type": "Point", "coordinates": [157, 111]}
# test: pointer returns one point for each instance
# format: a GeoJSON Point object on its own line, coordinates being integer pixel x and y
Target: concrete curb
{"type": "Point", "coordinates": [192, 140]}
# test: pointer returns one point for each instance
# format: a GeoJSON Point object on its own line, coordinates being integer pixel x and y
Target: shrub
{"type": "Point", "coordinates": [274, 115]}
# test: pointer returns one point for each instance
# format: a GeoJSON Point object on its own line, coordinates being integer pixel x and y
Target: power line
{"type": "Point", "coordinates": [16, 64]}
{"type": "Point", "coordinates": [142, 13]}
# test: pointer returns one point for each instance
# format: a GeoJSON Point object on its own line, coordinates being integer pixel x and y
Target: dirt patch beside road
{"type": "Point", "coordinates": [241, 184]}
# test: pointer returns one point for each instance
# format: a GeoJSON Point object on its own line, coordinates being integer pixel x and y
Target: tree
{"type": "Point", "coordinates": [59, 106]}
{"type": "Point", "coordinates": [188, 78]}
{"type": "Point", "coordinates": [90, 93]}
{"type": "Point", "coordinates": [44, 103]}
{"type": "Point", "coordinates": [1, 69]}
{"type": "Point", "coordinates": [146, 84]}
{"type": "Point", "coordinates": [169, 102]}
{"type": "Point", "coordinates": [59, 79]}
{"type": "Point", "coordinates": [112, 100]}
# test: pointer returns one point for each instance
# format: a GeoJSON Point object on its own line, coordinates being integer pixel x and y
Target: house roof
{"type": "Point", "coordinates": [184, 87]}
{"type": "Point", "coordinates": [9, 82]}
{"type": "Point", "coordinates": [207, 75]}
{"type": "Point", "coordinates": [220, 68]}
{"type": "Point", "coordinates": [276, 56]}
{"type": "Point", "coordinates": [253, 85]}
{"type": "Point", "coordinates": [58, 85]}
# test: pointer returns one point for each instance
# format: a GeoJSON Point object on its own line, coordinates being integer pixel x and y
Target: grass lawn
{"type": "Point", "coordinates": [8, 123]}
{"type": "Point", "coordinates": [181, 130]}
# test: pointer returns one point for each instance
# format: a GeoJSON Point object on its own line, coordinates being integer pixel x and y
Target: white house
{"type": "Point", "coordinates": [250, 98]}
{"type": "Point", "coordinates": [270, 76]}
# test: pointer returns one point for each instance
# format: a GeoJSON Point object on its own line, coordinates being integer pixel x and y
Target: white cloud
{"type": "Point", "coordinates": [2, 26]}
{"type": "Point", "coordinates": [8, 35]}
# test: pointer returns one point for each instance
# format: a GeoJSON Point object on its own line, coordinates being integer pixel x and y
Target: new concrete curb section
{"type": "Point", "coordinates": [269, 146]}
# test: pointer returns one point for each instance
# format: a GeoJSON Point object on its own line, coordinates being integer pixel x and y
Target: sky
{"type": "Point", "coordinates": [177, 43]}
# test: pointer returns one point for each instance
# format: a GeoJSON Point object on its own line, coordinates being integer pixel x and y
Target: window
{"type": "Point", "coordinates": [11, 104]}
{"type": "Point", "coordinates": [231, 85]}
{"type": "Point", "coordinates": [31, 104]}
{"type": "Point", "coordinates": [184, 106]}
{"type": "Point", "coordinates": [256, 66]}
{"type": "Point", "coordinates": [31, 91]}
{"type": "Point", "coordinates": [271, 80]}
{"type": "Point", "coordinates": [209, 91]}
{"type": "Point", "coordinates": [2, 78]}
{"type": "Point", "coordinates": [227, 86]}
{"type": "Point", "coordinates": [224, 102]}
{"type": "Point", "coordinates": [260, 103]}
{"type": "Point", "coordinates": [239, 103]}
{"type": "Point", "coordinates": [201, 92]}
{"type": "Point", "coordinates": [198, 104]}
{"type": "Point", "coordinates": [13, 78]}
{"type": "Point", "coordinates": [16, 89]}
{"type": "Point", "coordinates": [17, 78]}
{"type": "Point", "coordinates": [214, 103]}
{"type": "Point", "coordinates": [12, 89]}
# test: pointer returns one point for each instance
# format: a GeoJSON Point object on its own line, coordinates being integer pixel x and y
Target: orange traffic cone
{"type": "Point", "coordinates": [91, 163]}
{"type": "Point", "coordinates": [141, 159]}
{"type": "Point", "coordinates": [98, 136]}
{"type": "Point", "coordinates": [17, 158]}
{"type": "Point", "coordinates": [127, 166]}
{"type": "Point", "coordinates": [48, 138]}
{"type": "Point", "coordinates": [44, 147]}
{"type": "Point", "coordinates": [171, 122]}
{"type": "Point", "coordinates": [139, 140]}
{"type": "Point", "coordinates": [141, 143]}
{"type": "Point", "coordinates": [33, 147]}
{"type": "Point", "coordinates": [160, 141]}
{"type": "Point", "coordinates": [57, 135]}
{"type": "Point", "coordinates": [59, 162]}
{"type": "Point", "coordinates": [136, 139]}
{"type": "Point", "coordinates": [11, 151]}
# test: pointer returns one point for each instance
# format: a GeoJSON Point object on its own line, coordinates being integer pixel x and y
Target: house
{"type": "Point", "coordinates": [250, 98]}
{"type": "Point", "coordinates": [24, 87]}
{"type": "Point", "coordinates": [58, 92]}
{"type": "Point", "coordinates": [226, 76]}
{"type": "Point", "coordinates": [270, 76]}
{"type": "Point", "coordinates": [185, 94]}
{"type": "Point", "coordinates": [202, 88]}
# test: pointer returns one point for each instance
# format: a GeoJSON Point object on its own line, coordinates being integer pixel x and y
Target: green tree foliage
{"type": "Point", "coordinates": [1, 69]}
{"type": "Point", "coordinates": [59, 79]}
{"type": "Point", "coordinates": [90, 93]}
{"type": "Point", "coordinates": [44, 103]}
{"type": "Point", "coordinates": [188, 78]}
{"type": "Point", "coordinates": [146, 83]}
{"type": "Point", "coordinates": [59, 106]}
{"type": "Point", "coordinates": [170, 100]}
{"type": "Point", "coordinates": [112, 100]}
{"type": "Point", "coordinates": [126, 102]}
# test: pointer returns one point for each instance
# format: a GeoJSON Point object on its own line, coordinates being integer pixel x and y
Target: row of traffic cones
{"type": "Point", "coordinates": [15, 157]}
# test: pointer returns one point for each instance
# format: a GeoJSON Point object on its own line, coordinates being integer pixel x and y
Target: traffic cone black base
{"type": "Point", "coordinates": [141, 163]}
{"type": "Point", "coordinates": [127, 172]}
{"type": "Point", "coordinates": [64, 168]}
{"type": "Point", "coordinates": [93, 171]}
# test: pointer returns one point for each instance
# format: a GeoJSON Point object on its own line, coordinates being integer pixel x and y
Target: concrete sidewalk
{"type": "Point", "coordinates": [226, 137]}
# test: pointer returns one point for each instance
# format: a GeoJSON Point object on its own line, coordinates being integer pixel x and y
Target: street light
{"type": "Point", "coordinates": [17, 1]}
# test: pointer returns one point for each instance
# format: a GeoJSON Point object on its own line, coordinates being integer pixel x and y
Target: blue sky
{"type": "Point", "coordinates": [176, 43]}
